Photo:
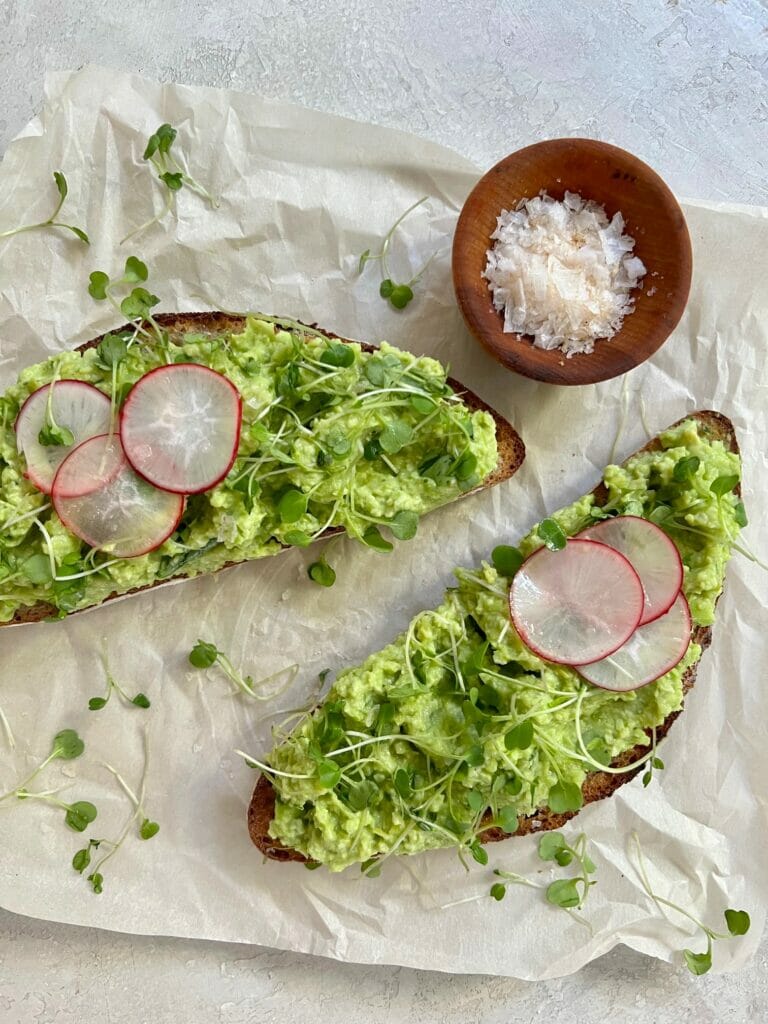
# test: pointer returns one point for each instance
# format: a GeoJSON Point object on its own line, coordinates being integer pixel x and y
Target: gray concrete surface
{"type": "Point", "coordinates": [680, 82]}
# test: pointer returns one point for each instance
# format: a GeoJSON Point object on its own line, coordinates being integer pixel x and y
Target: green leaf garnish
{"type": "Point", "coordinates": [37, 569]}
{"type": "Point", "coordinates": [51, 434]}
{"type": "Point", "coordinates": [80, 815]}
{"type": "Point", "coordinates": [738, 921]}
{"type": "Point", "coordinates": [148, 829]}
{"type": "Point", "coordinates": [507, 559]}
{"type": "Point", "coordinates": [373, 539]}
{"type": "Point", "coordinates": [404, 524]}
{"type": "Point", "coordinates": [698, 963]}
{"type": "Point", "coordinates": [723, 484]}
{"type": "Point", "coordinates": [292, 505]}
{"type": "Point", "coordinates": [396, 435]}
{"type": "Point", "coordinates": [552, 534]}
{"type": "Point", "coordinates": [135, 271]}
{"type": "Point", "coordinates": [498, 890]}
{"type": "Point", "coordinates": [328, 774]}
{"type": "Point", "coordinates": [520, 737]}
{"type": "Point", "coordinates": [203, 654]}
{"type": "Point", "coordinates": [99, 282]}
{"type": "Point", "coordinates": [338, 354]}
{"type": "Point", "coordinates": [322, 573]}
{"type": "Point", "coordinates": [565, 796]}
{"type": "Point", "coordinates": [138, 304]}
{"type": "Point", "coordinates": [564, 893]}
{"type": "Point", "coordinates": [67, 746]}
{"type": "Point", "coordinates": [686, 468]}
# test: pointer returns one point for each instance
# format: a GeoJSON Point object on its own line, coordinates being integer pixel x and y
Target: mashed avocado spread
{"type": "Point", "coordinates": [457, 718]}
{"type": "Point", "coordinates": [361, 436]}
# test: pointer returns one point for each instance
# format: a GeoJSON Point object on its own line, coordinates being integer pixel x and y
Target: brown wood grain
{"type": "Point", "coordinates": [620, 182]}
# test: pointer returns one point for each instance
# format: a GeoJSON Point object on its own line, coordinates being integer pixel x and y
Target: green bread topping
{"type": "Point", "coordinates": [458, 718]}
{"type": "Point", "coordinates": [351, 438]}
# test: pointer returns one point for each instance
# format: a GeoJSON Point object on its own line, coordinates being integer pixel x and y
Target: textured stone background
{"type": "Point", "coordinates": [680, 82]}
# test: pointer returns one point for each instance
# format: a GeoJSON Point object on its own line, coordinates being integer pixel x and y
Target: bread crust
{"type": "Point", "coordinates": [597, 785]}
{"type": "Point", "coordinates": [510, 445]}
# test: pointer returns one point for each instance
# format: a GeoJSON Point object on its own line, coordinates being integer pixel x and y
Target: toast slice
{"type": "Point", "coordinates": [511, 450]}
{"type": "Point", "coordinates": [597, 785]}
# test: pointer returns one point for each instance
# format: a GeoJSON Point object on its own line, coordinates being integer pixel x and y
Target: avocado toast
{"type": "Point", "coordinates": [355, 434]}
{"type": "Point", "coordinates": [449, 697]}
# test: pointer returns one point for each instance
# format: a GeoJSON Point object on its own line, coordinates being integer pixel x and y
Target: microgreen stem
{"type": "Point", "coordinates": [26, 515]}
{"type": "Point", "coordinates": [51, 222]}
{"type": "Point", "coordinates": [252, 761]}
{"type": "Point", "coordinates": [660, 900]}
{"type": "Point", "coordinates": [6, 725]}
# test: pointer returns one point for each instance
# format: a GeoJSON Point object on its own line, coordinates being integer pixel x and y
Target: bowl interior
{"type": "Point", "coordinates": [618, 181]}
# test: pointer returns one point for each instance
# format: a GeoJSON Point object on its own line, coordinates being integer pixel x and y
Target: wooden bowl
{"type": "Point", "coordinates": [618, 181]}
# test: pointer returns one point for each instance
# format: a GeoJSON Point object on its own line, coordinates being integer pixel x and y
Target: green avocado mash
{"type": "Point", "coordinates": [457, 717]}
{"type": "Point", "coordinates": [356, 437]}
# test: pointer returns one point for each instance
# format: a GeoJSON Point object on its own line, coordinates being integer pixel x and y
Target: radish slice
{"type": "Point", "coordinates": [654, 557]}
{"type": "Point", "coordinates": [89, 467]}
{"type": "Point", "coordinates": [180, 427]}
{"type": "Point", "coordinates": [576, 605]}
{"type": "Point", "coordinates": [119, 513]}
{"type": "Point", "coordinates": [651, 652]}
{"type": "Point", "coordinates": [78, 406]}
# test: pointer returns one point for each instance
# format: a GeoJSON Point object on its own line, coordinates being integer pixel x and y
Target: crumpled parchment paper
{"type": "Point", "coordinates": [301, 195]}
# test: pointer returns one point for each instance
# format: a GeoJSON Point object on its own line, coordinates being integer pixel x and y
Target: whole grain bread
{"type": "Point", "coordinates": [597, 785]}
{"type": "Point", "coordinates": [511, 450]}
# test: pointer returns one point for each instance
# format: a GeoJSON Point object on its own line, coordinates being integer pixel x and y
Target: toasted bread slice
{"type": "Point", "coordinates": [511, 450]}
{"type": "Point", "coordinates": [598, 785]}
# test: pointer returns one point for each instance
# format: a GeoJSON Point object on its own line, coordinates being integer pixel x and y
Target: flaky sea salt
{"type": "Point", "coordinates": [562, 272]}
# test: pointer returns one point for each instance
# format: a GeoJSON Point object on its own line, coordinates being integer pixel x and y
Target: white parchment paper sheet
{"type": "Point", "coordinates": [302, 194]}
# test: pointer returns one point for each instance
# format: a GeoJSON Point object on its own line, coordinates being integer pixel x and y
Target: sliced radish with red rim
{"type": "Point", "coordinates": [180, 427]}
{"type": "Point", "coordinates": [576, 605]}
{"type": "Point", "coordinates": [76, 405]}
{"type": "Point", "coordinates": [118, 512]}
{"type": "Point", "coordinates": [89, 467]}
{"type": "Point", "coordinates": [654, 557]}
{"type": "Point", "coordinates": [651, 652]}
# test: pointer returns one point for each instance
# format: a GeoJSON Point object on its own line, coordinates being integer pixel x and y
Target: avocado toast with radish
{"type": "Point", "coordinates": [543, 682]}
{"type": "Point", "coordinates": [191, 442]}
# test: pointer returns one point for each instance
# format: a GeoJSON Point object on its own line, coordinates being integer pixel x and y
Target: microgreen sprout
{"type": "Point", "coordinates": [66, 746]}
{"type": "Point", "coordinates": [52, 222]}
{"type": "Point", "coordinates": [567, 893]}
{"type": "Point", "coordinates": [552, 534]}
{"type": "Point", "coordinates": [51, 433]}
{"type": "Point", "coordinates": [136, 306]}
{"type": "Point", "coordinates": [205, 655]}
{"type": "Point", "coordinates": [506, 560]}
{"type": "Point", "coordinates": [737, 921]}
{"type": "Point", "coordinates": [322, 573]}
{"type": "Point", "coordinates": [171, 173]}
{"type": "Point", "coordinates": [145, 827]}
{"type": "Point", "coordinates": [78, 815]}
{"type": "Point", "coordinates": [97, 703]}
{"type": "Point", "coordinates": [655, 763]}
{"type": "Point", "coordinates": [6, 726]}
{"type": "Point", "coordinates": [398, 295]}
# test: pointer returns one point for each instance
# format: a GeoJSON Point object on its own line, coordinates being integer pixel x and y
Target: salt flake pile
{"type": "Point", "coordinates": [562, 272]}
